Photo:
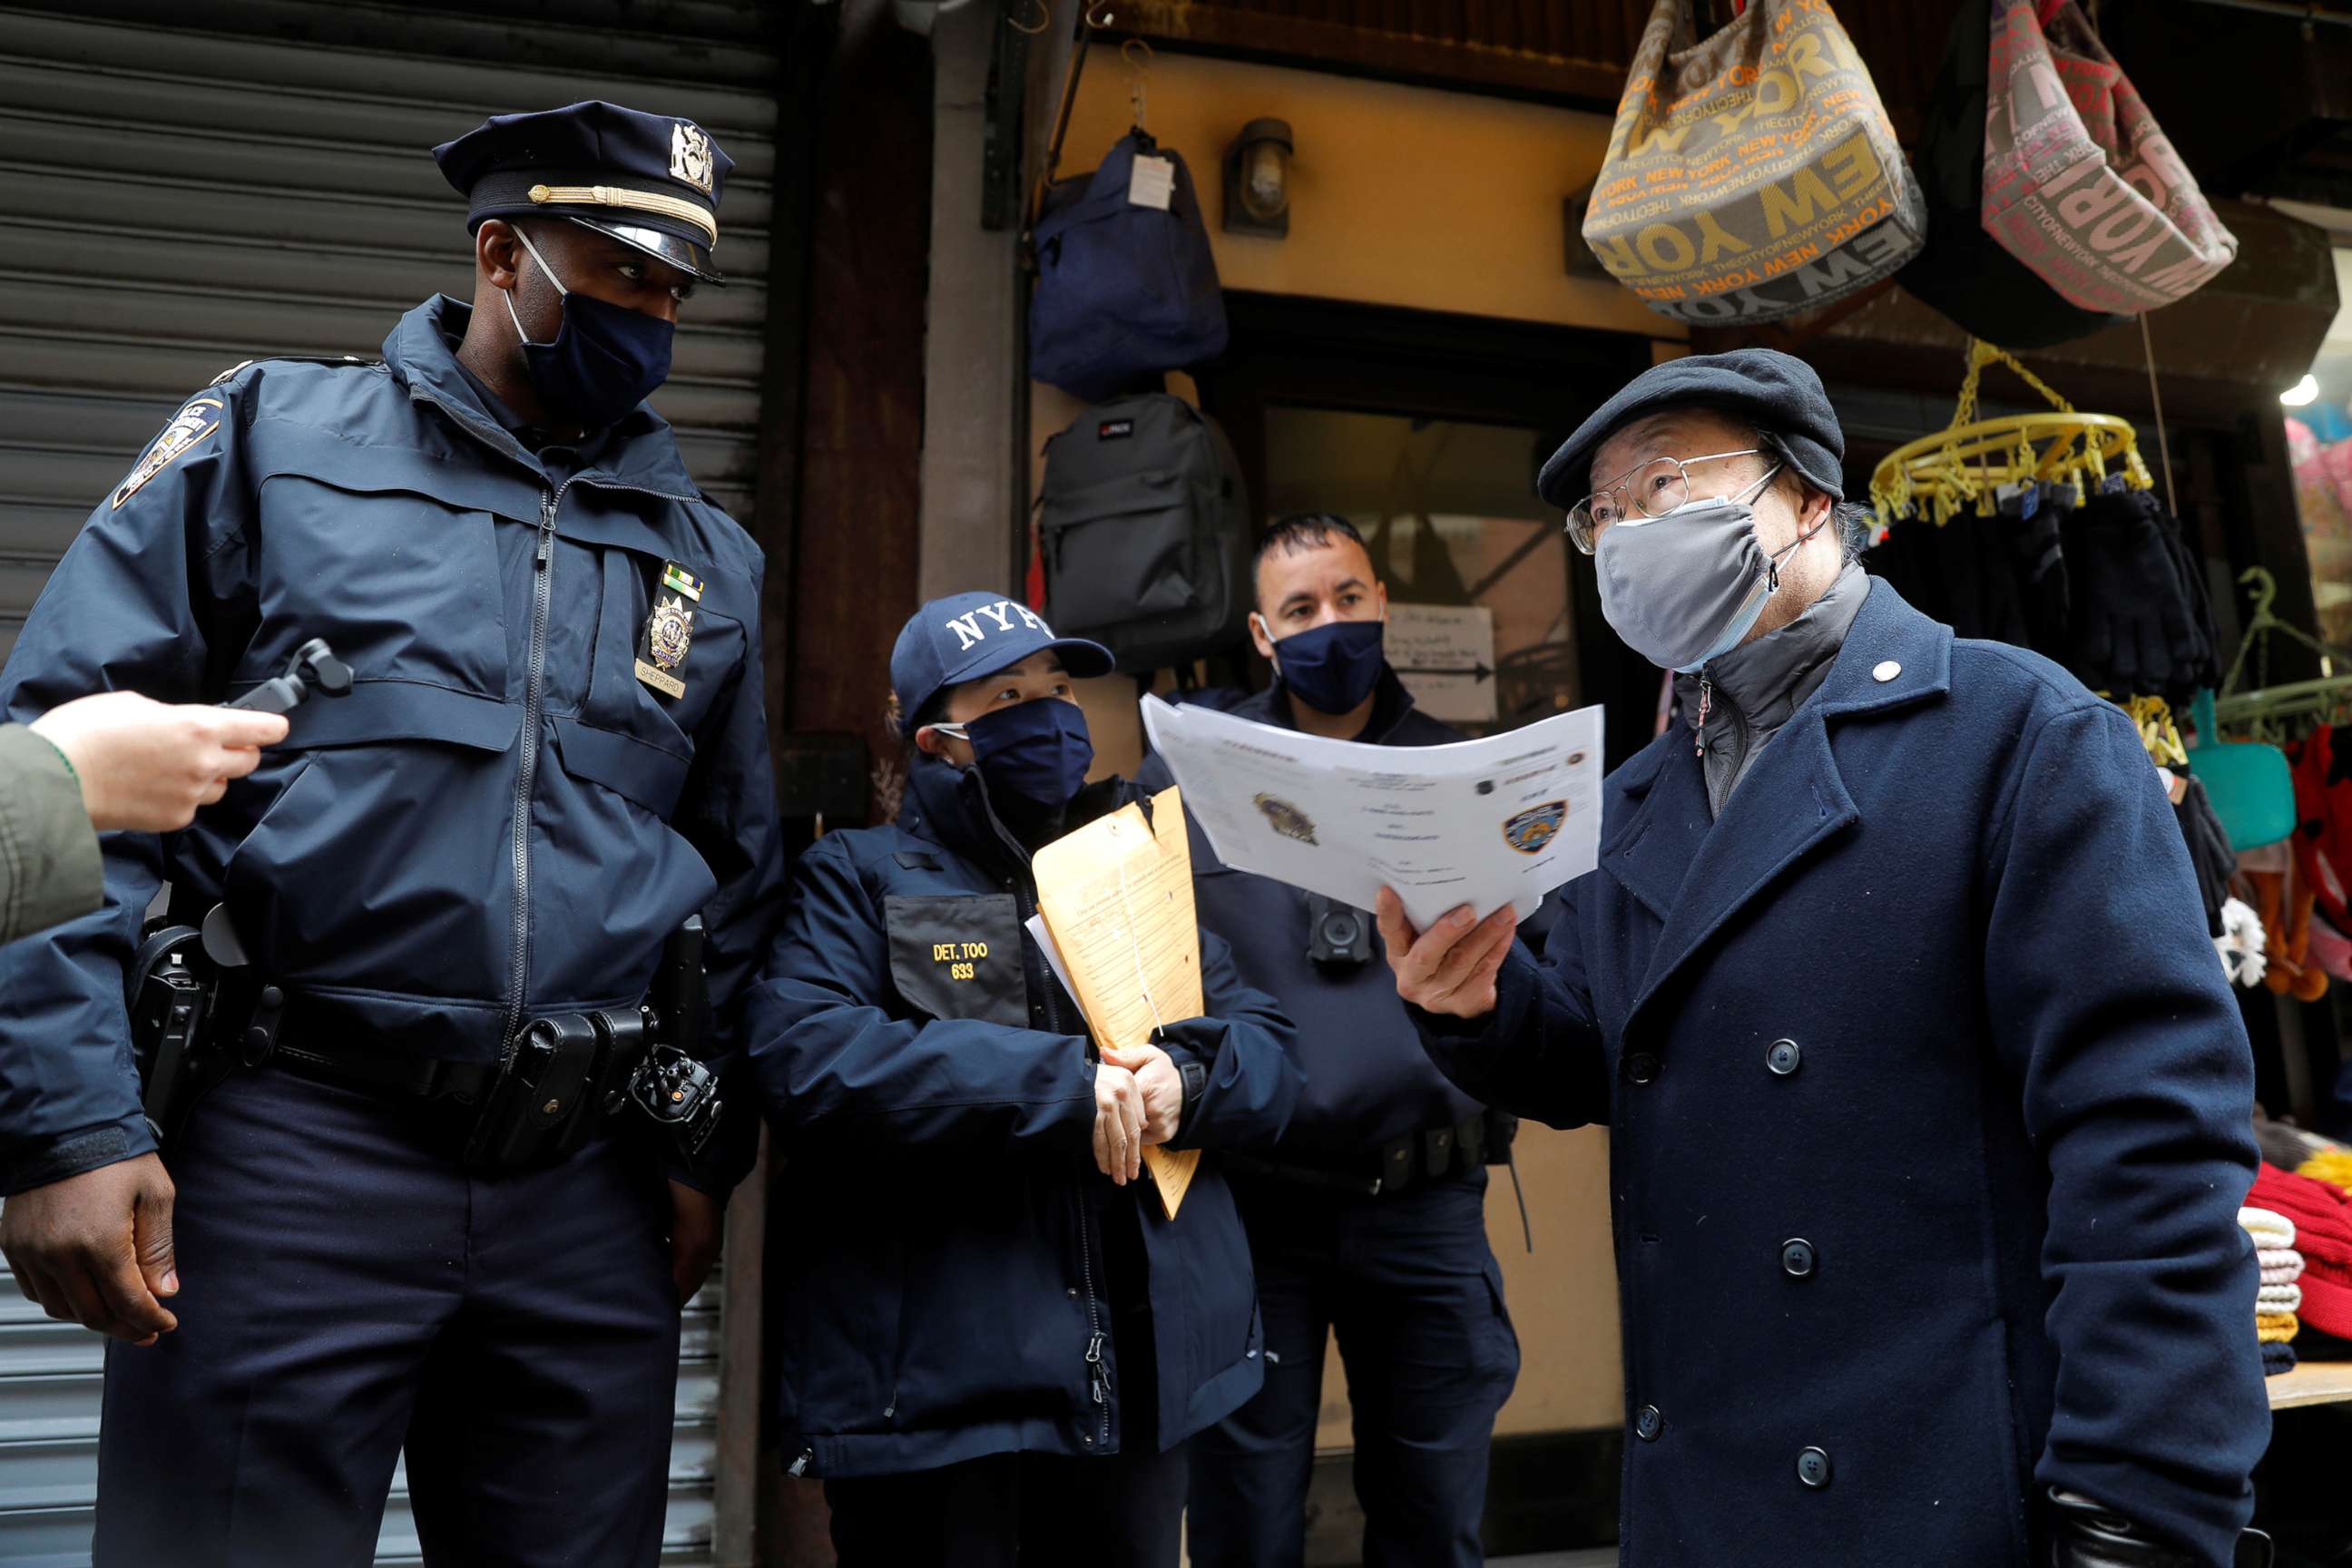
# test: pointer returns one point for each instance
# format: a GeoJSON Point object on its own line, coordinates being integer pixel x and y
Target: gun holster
{"type": "Point", "coordinates": [173, 987]}
{"type": "Point", "coordinates": [555, 1085]}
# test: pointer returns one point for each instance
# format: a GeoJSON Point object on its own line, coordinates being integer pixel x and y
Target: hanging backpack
{"type": "Point", "coordinates": [1127, 287]}
{"type": "Point", "coordinates": [1965, 272]}
{"type": "Point", "coordinates": [1143, 526]}
{"type": "Point", "coordinates": [1751, 174]}
{"type": "Point", "coordinates": [2079, 182]}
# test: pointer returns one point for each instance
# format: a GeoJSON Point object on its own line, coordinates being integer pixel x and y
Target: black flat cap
{"type": "Point", "coordinates": [1778, 391]}
{"type": "Point", "coordinates": [648, 180]}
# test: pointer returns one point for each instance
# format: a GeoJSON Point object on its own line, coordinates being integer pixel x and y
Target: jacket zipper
{"type": "Point", "coordinates": [1024, 900]}
{"type": "Point", "coordinates": [542, 594]}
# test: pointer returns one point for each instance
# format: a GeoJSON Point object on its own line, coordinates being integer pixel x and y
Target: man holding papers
{"type": "Point", "coordinates": [992, 1341]}
{"type": "Point", "coordinates": [1368, 1220]}
{"type": "Point", "coordinates": [1929, 1100]}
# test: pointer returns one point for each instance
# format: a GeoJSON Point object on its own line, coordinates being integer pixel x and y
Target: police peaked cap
{"type": "Point", "coordinates": [647, 180]}
{"type": "Point", "coordinates": [1778, 392]}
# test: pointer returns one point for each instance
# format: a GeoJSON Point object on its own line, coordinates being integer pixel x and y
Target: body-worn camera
{"type": "Point", "coordinates": [1337, 933]}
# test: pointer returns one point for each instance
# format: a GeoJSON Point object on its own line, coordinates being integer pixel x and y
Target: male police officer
{"type": "Point", "coordinates": [1368, 1220]}
{"type": "Point", "coordinates": [1927, 1102]}
{"type": "Point", "coordinates": [551, 755]}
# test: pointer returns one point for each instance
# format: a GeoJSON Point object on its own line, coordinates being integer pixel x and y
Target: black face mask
{"type": "Point", "coordinates": [605, 360]}
{"type": "Point", "coordinates": [1334, 667]}
{"type": "Point", "coordinates": [1037, 751]}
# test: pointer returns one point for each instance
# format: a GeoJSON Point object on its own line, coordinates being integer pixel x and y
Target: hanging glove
{"type": "Point", "coordinates": [1904, 558]}
{"type": "Point", "coordinates": [2209, 851]}
{"type": "Point", "coordinates": [2189, 570]}
{"type": "Point", "coordinates": [1959, 565]}
{"type": "Point", "coordinates": [2133, 630]}
{"type": "Point", "coordinates": [2038, 560]}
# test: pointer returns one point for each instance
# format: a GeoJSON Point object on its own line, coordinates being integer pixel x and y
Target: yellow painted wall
{"type": "Point", "coordinates": [1399, 195]}
{"type": "Point", "coordinates": [1434, 201]}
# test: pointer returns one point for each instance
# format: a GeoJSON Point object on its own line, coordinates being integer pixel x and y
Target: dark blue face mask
{"type": "Point", "coordinates": [605, 360]}
{"type": "Point", "coordinates": [1334, 667]}
{"type": "Point", "coordinates": [1037, 750]}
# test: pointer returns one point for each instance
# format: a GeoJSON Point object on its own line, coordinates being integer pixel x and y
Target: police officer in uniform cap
{"type": "Point", "coordinates": [1367, 1221]}
{"type": "Point", "coordinates": [994, 1344]}
{"type": "Point", "coordinates": [413, 1216]}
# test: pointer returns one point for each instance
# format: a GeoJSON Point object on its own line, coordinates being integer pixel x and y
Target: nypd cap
{"type": "Point", "coordinates": [647, 180]}
{"type": "Point", "coordinates": [966, 636]}
{"type": "Point", "coordinates": [1777, 392]}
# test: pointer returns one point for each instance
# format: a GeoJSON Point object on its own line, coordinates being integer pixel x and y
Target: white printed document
{"type": "Point", "coordinates": [1501, 820]}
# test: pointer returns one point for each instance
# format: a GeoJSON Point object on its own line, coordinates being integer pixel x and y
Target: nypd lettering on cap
{"type": "Point", "coordinates": [964, 636]}
{"type": "Point", "coordinates": [972, 627]}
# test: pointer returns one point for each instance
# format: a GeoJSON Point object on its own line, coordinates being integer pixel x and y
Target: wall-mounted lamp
{"type": "Point", "coordinates": [1257, 180]}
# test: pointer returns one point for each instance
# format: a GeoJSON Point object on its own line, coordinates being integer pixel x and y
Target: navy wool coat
{"type": "Point", "coordinates": [1929, 1108]}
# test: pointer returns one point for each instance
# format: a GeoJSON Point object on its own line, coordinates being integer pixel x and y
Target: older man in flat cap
{"type": "Point", "coordinates": [1929, 1100]}
{"type": "Point", "coordinates": [434, 1179]}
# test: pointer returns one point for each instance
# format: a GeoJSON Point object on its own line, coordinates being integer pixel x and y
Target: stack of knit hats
{"type": "Point", "coordinates": [2321, 1216]}
{"type": "Point", "coordinates": [2281, 1297]}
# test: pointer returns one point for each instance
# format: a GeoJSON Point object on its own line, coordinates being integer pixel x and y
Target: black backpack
{"type": "Point", "coordinates": [1143, 525]}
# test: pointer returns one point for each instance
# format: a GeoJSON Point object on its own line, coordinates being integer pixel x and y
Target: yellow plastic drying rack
{"type": "Point", "coordinates": [1966, 466]}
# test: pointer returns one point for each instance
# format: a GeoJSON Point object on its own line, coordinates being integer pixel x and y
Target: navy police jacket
{"type": "Point", "coordinates": [1368, 1079]}
{"type": "Point", "coordinates": [1929, 1123]}
{"type": "Point", "coordinates": [499, 821]}
{"type": "Point", "coordinates": [946, 1283]}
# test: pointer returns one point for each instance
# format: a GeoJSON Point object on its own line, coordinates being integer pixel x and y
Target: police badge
{"type": "Point", "coordinates": [1285, 818]}
{"type": "Point", "coordinates": [670, 630]}
{"type": "Point", "coordinates": [689, 155]}
{"type": "Point", "coordinates": [1528, 831]}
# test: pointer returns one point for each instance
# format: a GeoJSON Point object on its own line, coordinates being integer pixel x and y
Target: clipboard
{"type": "Point", "coordinates": [1116, 898]}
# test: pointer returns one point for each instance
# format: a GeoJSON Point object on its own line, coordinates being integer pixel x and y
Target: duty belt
{"type": "Point", "coordinates": [194, 1021]}
{"type": "Point", "coordinates": [1415, 1159]}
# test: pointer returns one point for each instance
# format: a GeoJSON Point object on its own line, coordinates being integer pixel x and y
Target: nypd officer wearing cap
{"type": "Point", "coordinates": [992, 1344]}
{"type": "Point", "coordinates": [1928, 1102]}
{"type": "Point", "coordinates": [1367, 1223]}
{"type": "Point", "coordinates": [551, 755]}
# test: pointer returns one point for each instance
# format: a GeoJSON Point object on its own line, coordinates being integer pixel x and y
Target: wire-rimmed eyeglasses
{"type": "Point", "coordinates": [1649, 489]}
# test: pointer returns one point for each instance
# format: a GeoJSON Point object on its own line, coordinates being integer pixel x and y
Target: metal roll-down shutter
{"type": "Point", "coordinates": [182, 191]}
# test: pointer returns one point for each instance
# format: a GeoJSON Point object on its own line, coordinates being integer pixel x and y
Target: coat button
{"type": "Point", "coordinates": [1784, 1057]}
{"type": "Point", "coordinates": [1649, 1424]}
{"type": "Point", "coordinates": [1813, 1467]}
{"type": "Point", "coordinates": [1641, 1067]}
{"type": "Point", "coordinates": [1797, 1257]}
{"type": "Point", "coordinates": [1885, 670]}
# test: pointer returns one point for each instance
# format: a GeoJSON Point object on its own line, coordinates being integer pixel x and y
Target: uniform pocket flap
{"type": "Point", "coordinates": [958, 955]}
{"type": "Point", "coordinates": [645, 773]}
{"type": "Point", "coordinates": [376, 711]}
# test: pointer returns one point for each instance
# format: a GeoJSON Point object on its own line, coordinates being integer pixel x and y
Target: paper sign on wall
{"type": "Point", "coordinates": [1444, 654]}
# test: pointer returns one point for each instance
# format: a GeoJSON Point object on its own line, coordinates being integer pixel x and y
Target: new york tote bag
{"type": "Point", "coordinates": [1752, 174]}
{"type": "Point", "coordinates": [2079, 183]}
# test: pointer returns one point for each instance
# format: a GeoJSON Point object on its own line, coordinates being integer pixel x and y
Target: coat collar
{"type": "Point", "coordinates": [639, 453]}
{"type": "Point", "coordinates": [1695, 875]}
{"type": "Point", "coordinates": [1392, 705]}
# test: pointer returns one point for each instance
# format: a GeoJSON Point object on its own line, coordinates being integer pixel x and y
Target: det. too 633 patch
{"type": "Point", "coordinates": [190, 424]}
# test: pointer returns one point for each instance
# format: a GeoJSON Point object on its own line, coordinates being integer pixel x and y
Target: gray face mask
{"type": "Point", "coordinates": [1684, 588]}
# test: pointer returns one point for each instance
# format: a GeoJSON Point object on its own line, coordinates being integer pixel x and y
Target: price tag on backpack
{"type": "Point", "coordinates": [1151, 182]}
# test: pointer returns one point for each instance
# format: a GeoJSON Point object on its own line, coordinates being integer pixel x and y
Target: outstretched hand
{"type": "Point", "coordinates": [1451, 967]}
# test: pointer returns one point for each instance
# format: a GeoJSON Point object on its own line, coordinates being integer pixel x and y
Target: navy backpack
{"type": "Point", "coordinates": [1125, 290]}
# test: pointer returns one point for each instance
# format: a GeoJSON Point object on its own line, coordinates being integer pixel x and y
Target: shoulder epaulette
{"type": "Point", "coordinates": [297, 359]}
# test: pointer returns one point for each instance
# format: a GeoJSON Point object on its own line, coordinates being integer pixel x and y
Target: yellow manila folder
{"type": "Point", "coordinates": [1116, 898]}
